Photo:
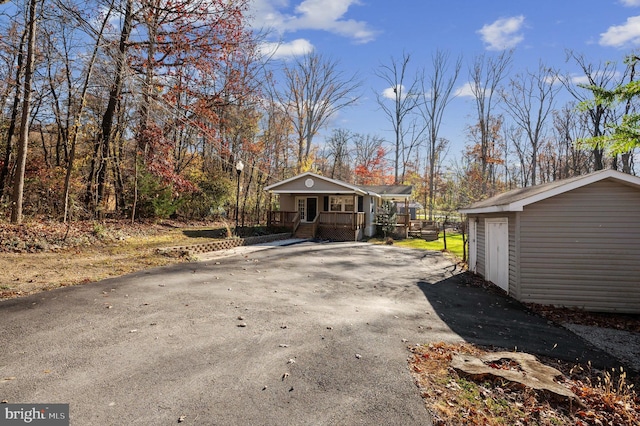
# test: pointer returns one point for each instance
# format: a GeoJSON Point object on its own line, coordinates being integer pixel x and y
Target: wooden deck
{"type": "Point", "coordinates": [426, 229]}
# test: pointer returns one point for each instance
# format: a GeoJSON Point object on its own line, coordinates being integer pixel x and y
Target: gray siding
{"type": "Point", "coordinates": [582, 249]}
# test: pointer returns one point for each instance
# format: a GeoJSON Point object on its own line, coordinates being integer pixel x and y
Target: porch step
{"type": "Point", "coordinates": [305, 230]}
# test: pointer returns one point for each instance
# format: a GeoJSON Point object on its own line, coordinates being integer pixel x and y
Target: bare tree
{"type": "Point", "coordinates": [514, 137]}
{"type": "Point", "coordinates": [75, 119]}
{"type": "Point", "coordinates": [569, 126]}
{"type": "Point", "coordinates": [601, 76]}
{"type": "Point", "coordinates": [314, 90]}
{"type": "Point", "coordinates": [486, 75]}
{"type": "Point", "coordinates": [18, 59]}
{"type": "Point", "coordinates": [403, 91]}
{"type": "Point", "coordinates": [529, 100]}
{"type": "Point", "coordinates": [23, 142]}
{"type": "Point", "coordinates": [102, 147]}
{"type": "Point", "coordinates": [436, 91]}
{"type": "Point", "coordinates": [338, 151]}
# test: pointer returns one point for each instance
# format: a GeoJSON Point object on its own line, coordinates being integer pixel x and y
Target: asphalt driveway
{"type": "Point", "coordinates": [302, 334]}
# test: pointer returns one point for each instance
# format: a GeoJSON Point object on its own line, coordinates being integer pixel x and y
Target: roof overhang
{"type": "Point", "coordinates": [338, 192]}
{"type": "Point", "coordinates": [492, 209]}
{"type": "Point", "coordinates": [518, 205]}
{"type": "Point", "coordinates": [347, 188]}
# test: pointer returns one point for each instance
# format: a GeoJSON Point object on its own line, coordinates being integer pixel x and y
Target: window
{"type": "Point", "coordinates": [341, 204]}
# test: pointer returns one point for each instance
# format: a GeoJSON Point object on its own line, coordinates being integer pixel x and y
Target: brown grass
{"type": "Point", "coordinates": [455, 400]}
{"type": "Point", "coordinates": [37, 257]}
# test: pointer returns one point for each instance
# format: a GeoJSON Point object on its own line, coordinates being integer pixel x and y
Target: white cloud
{"type": "Point", "coordinates": [466, 90]}
{"type": "Point", "coordinates": [577, 79]}
{"type": "Point", "coordinates": [391, 92]}
{"type": "Point", "coordinates": [291, 49]}
{"type": "Point", "coordinates": [630, 3]}
{"type": "Point", "coordinates": [503, 33]}
{"type": "Point", "coordinates": [553, 79]}
{"type": "Point", "coordinates": [322, 15]}
{"type": "Point", "coordinates": [622, 35]}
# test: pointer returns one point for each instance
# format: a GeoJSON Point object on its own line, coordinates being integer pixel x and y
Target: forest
{"type": "Point", "coordinates": [143, 109]}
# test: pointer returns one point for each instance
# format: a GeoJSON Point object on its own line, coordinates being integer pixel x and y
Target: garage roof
{"type": "Point", "coordinates": [515, 200]}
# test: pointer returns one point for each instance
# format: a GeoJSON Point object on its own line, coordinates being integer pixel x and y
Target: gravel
{"type": "Point", "coordinates": [624, 345]}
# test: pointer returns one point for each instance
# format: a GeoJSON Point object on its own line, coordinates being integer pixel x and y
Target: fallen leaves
{"type": "Point", "coordinates": [616, 321]}
{"type": "Point", "coordinates": [453, 399]}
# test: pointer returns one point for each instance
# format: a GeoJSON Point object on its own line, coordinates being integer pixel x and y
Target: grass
{"type": "Point", "coordinates": [454, 244]}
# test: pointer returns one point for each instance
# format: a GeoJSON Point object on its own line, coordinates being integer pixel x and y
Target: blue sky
{"type": "Point", "coordinates": [363, 34]}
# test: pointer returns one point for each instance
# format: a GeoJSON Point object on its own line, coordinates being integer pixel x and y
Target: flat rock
{"type": "Point", "coordinates": [532, 373]}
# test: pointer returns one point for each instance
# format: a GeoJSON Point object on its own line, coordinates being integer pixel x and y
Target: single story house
{"type": "Point", "coordinates": [574, 242]}
{"type": "Point", "coordinates": [317, 206]}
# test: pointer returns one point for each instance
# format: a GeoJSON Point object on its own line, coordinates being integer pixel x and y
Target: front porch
{"type": "Point", "coordinates": [335, 226]}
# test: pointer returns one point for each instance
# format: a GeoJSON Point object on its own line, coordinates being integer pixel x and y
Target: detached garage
{"type": "Point", "coordinates": [573, 242]}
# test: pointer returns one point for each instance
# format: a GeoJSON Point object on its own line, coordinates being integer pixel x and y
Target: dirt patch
{"type": "Point", "coordinates": [41, 256]}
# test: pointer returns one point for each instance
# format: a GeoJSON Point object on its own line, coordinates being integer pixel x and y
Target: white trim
{"type": "Point", "coordinates": [309, 191]}
{"type": "Point", "coordinates": [313, 175]}
{"type": "Point", "coordinates": [518, 206]}
{"type": "Point", "coordinates": [306, 207]}
{"type": "Point", "coordinates": [343, 204]}
{"type": "Point", "coordinates": [473, 245]}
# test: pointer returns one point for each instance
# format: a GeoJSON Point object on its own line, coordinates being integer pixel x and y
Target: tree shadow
{"type": "Point", "coordinates": [488, 317]}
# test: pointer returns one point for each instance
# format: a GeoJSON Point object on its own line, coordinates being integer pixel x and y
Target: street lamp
{"type": "Point", "coordinates": [239, 168]}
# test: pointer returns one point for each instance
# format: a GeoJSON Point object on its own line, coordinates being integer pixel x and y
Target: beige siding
{"type": "Point", "coordinates": [319, 186]}
{"type": "Point", "coordinates": [287, 203]}
{"type": "Point", "coordinates": [582, 248]}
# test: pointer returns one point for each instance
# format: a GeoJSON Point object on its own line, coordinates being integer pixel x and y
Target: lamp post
{"type": "Point", "coordinates": [239, 168]}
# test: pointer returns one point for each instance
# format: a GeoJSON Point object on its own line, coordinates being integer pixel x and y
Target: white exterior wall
{"type": "Point", "coordinates": [370, 204]}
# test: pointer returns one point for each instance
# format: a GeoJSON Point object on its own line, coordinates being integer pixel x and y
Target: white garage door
{"type": "Point", "coordinates": [497, 252]}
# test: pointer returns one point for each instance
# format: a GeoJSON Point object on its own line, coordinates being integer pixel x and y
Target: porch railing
{"type": "Point", "coordinates": [342, 219]}
{"type": "Point", "coordinates": [336, 219]}
{"type": "Point", "coordinates": [282, 218]}
{"type": "Point", "coordinates": [296, 222]}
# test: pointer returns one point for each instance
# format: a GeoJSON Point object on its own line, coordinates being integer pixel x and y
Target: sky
{"type": "Point", "coordinates": [363, 35]}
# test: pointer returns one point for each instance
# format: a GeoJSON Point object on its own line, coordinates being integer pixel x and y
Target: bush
{"type": "Point", "coordinates": [215, 192]}
{"type": "Point", "coordinates": [155, 199]}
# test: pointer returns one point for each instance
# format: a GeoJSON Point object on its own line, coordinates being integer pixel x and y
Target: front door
{"type": "Point", "coordinates": [307, 208]}
{"type": "Point", "coordinates": [312, 208]}
{"type": "Point", "coordinates": [497, 252]}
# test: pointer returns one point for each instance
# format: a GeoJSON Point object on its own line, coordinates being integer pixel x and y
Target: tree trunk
{"type": "Point", "coordinates": [18, 184]}
{"type": "Point", "coordinates": [99, 165]}
{"type": "Point", "coordinates": [4, 172]}
{"type": "Point", "coordinates": [73, 134]}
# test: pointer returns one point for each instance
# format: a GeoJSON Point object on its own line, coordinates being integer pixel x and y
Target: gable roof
{"type": "Point", "coordinates": [517, 199]}
{"type": "Point", "coordinates": [278, 187]}
{"type": "Point", "coordinates": [383, 191]}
